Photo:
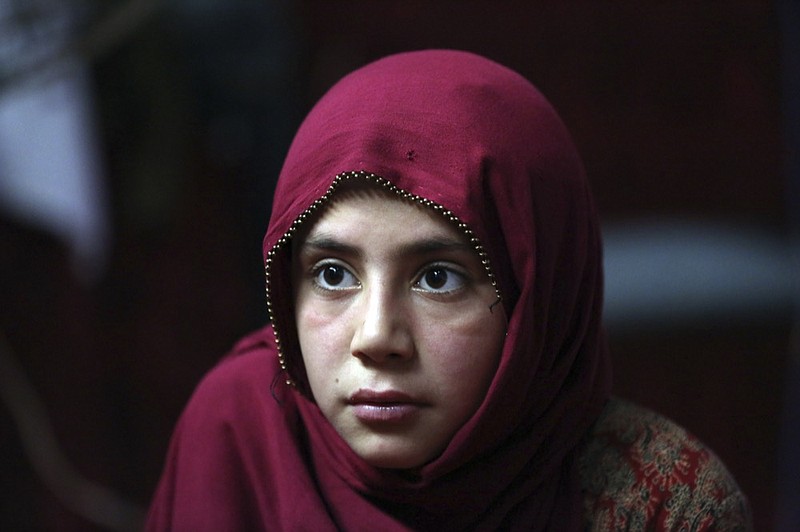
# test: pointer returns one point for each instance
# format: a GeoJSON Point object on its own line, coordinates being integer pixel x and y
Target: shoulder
{"type": "Point", "coordinates": [640, 470]}
{"type": "Point", "coordinates": [217, 473]}
{"type": "Point", "coordinates": [251, 366]}
{"type": "Point", "coordinates": [240, 391]}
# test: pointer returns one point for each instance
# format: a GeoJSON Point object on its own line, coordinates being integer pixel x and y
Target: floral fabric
{"type": "Point", "coordinates": [641, 471]}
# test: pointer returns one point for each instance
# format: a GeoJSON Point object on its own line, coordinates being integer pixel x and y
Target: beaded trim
{"type": "Point", "coordinates": [386, 185]}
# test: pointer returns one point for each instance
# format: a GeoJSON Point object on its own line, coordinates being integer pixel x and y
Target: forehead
{"type": "Point", "coordinates": [367, 212]}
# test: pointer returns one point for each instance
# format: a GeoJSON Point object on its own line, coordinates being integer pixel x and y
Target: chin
{"type": "Point", "coordinates": [392, 461]}
{"type": "Point", "coordinates": [393, 458]}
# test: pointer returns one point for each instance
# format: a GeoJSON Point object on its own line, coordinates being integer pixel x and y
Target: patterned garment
{"type": "Point", "coordinates": [640, 471]}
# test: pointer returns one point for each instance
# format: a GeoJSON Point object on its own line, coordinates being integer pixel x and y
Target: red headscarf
{"type": "Point", "coordinates": [479, 143]}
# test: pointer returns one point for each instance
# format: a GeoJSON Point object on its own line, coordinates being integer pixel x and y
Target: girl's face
{"type": "Point", "coordinates": [393, 315]}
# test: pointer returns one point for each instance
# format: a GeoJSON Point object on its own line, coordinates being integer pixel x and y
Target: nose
{"type": "Point", "coordinates": [382, 332]}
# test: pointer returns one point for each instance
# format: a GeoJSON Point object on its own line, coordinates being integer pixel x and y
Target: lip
{"type": "Point", "coordinates": [391, 406]}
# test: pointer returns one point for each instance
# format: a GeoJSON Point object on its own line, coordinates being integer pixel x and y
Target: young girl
{"type": "Point", "coordinates": [435, 358]}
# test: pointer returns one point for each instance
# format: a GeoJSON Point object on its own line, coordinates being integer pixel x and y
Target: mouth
{"type": "Point", "coordinates": [373, 407]}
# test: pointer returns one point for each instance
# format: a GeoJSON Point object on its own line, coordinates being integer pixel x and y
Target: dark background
{"type": "Point", "coordinates": [678, 109]}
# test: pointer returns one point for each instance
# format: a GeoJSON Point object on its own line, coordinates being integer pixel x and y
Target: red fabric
{"type": "Point", "coordinates": [481, 141]}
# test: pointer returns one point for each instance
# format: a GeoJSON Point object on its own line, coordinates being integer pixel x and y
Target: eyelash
{"type": "Point", "coordinates": [452, 275]}
{"type": "Point", "coordinates": [320, 268]}
{"type": "Point", "coordinates": [461, 278]}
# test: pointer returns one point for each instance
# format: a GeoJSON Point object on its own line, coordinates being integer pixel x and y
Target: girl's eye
{"type": "Point", "coordinates": [440, 280]}
{"type": "Point", "coordinates": [334, 277]}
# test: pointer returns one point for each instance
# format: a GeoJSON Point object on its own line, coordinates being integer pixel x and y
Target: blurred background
{"type": "Point", "coordinates": [140, 141]}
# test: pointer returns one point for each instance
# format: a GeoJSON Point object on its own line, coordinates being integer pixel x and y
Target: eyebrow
{"type": "Point", "coordinates": [424, 246]}
{"type": "Point", "coordinates": [324, 242]}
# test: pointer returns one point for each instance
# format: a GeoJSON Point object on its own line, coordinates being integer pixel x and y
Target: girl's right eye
{"type": "Point", "coordinates": [329, 276]}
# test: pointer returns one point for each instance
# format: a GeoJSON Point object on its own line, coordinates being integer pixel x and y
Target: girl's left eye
{"type": "Point", "coordinates": [439, 279]}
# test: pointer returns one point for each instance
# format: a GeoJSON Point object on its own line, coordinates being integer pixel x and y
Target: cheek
{"type": "Point", "coordinates": [321, 343]}
{"type": "Point", "coordinates": [314, 316]}
{"type": "Point", "coordinates": [466, 351]}
{"type": "Point", "coordinates": [310, 319]}
{"type": "Point", "coordinates": [322, 334]}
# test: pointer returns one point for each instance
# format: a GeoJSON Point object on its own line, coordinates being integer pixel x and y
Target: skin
{"type": "Point", "coordinates": [398, 340]}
